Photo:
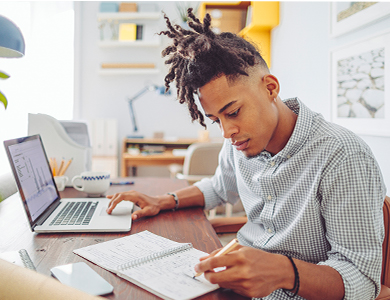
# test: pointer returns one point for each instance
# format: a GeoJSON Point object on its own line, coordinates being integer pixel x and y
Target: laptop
{"type": "Point", "coordinates": [45, 210]}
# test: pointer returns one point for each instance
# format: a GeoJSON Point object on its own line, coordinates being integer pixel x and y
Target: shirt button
{"type": "Point", "coordinates": [288, 156]}
{"type": "Point", "coordinates": [269, 230]}
{"type": "Point", "coordinates": [269, 197]}
{"type": "Point", "coordinates": [272, 163]}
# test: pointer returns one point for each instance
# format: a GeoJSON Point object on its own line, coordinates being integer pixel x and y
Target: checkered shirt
{"type": "Point", "coordinates": [319, 200]}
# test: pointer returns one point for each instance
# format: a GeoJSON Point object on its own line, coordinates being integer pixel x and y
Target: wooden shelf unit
{"type": "Point", "coordinates": [159, 159]}
{"type": "Point", "coordinates": [264, 17]}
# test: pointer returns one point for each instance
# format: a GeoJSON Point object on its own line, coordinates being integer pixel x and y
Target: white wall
{"type": "Point", "coordinates": [301, 47]}
{"type": "Point", "coordinates": [42, 80]}
{"type": "Point", "coordinates": [102, 96]}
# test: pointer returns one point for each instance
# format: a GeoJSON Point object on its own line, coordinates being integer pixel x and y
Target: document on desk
{"type": "Point", "coordinates": [157, 264]}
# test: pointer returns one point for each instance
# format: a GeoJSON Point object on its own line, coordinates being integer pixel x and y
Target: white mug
{"type": "Point", "coordinates": [93, 183]}
{"type": "Point", "coordinates": [61, 182]}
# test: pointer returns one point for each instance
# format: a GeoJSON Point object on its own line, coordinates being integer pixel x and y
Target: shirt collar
{"type": "Point", "coordinates": [300, 133]}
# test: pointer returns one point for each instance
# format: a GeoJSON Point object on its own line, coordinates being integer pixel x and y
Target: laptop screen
{"type": "Point", "coordinates": [34, 178]}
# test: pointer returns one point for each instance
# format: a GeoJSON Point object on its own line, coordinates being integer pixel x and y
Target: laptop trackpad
{"type": "Point", "coordinates": [123, 208]}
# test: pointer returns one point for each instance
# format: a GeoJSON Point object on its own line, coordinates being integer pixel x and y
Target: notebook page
{"type": "Point", "coordinates": [112, 254]}
{"type": "Point", "coordinates": [171, 277]}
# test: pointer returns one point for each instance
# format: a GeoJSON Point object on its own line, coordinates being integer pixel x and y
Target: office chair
{"type": "Point", "coordinates": [200, 162]}
{"type": "Point", "coordinates": [232, 225]}
{"type": "Point", "coordinates": [385, 278]}
{"type": "Point", "coordinates": [7, 186]}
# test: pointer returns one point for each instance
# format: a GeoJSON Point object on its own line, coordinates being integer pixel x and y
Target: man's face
{"type": "Point", "coordinates": [245, 111]}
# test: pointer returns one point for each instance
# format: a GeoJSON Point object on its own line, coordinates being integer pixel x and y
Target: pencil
{"type": "Point", "coordinates": [60, 168]}
{"type": "Point", "coordinates": [54, 166]}
{"type": "Point", "coordinates": [51, 164]}
{"type": "Point", "coordinates": [66, 166]}
{"type": "Point", "coordinates": [225, 250]}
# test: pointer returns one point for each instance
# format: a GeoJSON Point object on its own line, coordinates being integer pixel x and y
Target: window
{"type": "Point", "coordinates": [43, 80]}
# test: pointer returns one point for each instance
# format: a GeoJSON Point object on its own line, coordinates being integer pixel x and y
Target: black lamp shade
{"type": "Point", "coordinates": [11, 39]}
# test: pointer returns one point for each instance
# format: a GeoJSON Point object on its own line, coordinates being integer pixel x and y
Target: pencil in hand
{"type": "Point", "coordinates": [225, 250]}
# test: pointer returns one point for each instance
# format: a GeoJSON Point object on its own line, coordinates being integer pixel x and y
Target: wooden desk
{"type": "Point", "coordinates": [163, 159]}
{"type": "Point", "coordinates": [49, 250]}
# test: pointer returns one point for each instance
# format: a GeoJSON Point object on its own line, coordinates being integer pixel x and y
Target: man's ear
{"type": "Point", "coordinates": [272, 85]}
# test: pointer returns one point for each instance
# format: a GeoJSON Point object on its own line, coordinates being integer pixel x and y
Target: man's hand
{"type": "Point", "coordinates": [150, 206]}
{"type": "Point", "coordinates": [256, 273]}
{"type": "Point", "coordinates": [249, 272]}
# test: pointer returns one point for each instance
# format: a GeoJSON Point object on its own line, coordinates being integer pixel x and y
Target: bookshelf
{"type": "Point", "coordinates": [160, 158]}
{"type": "Point", "coordinates": [108, 24]}
{"type": "Point", "coordinates": [262, 17]}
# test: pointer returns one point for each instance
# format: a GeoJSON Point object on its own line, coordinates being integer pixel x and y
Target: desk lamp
{"type": "Point", "coordinates": [11, 46]}
{"type": "Point", "coordinates": [160, 90]}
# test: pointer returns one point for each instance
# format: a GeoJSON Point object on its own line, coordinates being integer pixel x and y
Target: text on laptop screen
{"type": "Point", "coordinates": [35, 176]}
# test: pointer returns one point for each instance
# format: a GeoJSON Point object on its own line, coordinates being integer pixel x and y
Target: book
{"type": "Point", "coordinates": [140, 30]}
{"type": "Point", "coordinates": [128, 7]}
{"type": "Point", "coordinates": [20, 258]}
{"type": "Point", "coordinates": [156, 264]}
{"type": "Point", "coordinates": [127, 32]}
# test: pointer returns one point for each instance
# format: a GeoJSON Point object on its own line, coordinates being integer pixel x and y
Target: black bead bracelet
{"type": "Point", "coordinates": [296, 281]}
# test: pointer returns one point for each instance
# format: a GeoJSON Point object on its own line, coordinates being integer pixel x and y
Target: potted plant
{"type": "Point", "coordinates": [182, 8]}
{"type": "Point", "coordinates": [3, 99]}
{"type": "Point", "coordinates": [11, 46]}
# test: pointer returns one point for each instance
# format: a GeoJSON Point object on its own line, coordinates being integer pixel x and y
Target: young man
{"type": "Point", "coordinates": [312, 191]}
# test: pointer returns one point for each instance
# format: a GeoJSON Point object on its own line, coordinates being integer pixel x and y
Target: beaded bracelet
{"type": "Point", "coordinates": [176, 200]}
{"type": "Point", "coordinates": [296, 281]}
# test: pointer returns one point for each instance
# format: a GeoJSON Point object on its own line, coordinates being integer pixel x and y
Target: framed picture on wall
{"type": "Point", "coordinates": [347, 16]}
{"type": "Point", "coordinates": [360, 79]}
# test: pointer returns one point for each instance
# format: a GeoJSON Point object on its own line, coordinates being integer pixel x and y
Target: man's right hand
{"type": "Point", "coordinates": [150, 206]}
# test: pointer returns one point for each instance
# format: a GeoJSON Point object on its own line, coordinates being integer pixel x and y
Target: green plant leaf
{"type": "Point", "coordinates": [4, 75]}
{"type": "Point", "coordinates": [3, 100]}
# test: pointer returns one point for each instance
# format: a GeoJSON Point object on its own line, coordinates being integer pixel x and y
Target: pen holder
{"type": "Point", "coordinates": [61, 182]}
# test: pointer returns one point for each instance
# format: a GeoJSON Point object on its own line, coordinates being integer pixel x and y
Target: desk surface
{"type": "Point", "coordinates": [49, 250]}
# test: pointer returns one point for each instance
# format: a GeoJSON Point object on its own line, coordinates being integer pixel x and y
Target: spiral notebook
{"type": "Point", "coordinates": [157, 264]}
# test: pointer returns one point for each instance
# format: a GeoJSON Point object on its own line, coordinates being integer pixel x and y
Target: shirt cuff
{"type": "Point", "coordinates": [356, 285]}
{"type": "Point", "coordinates": [211, 198]}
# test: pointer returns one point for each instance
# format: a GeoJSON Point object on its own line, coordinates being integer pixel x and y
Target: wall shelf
{"type": "Point", "coordinates": [127, 71]}
{"type": "Point", "coordinates": [138, 43]}
{"type": "Point", "coordinates": [150, 41]}
{"type": "Point", "coordinates": [129, 16]}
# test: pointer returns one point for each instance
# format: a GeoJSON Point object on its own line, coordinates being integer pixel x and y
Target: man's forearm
{"type": "Point", "coordinates": [188, 197]}
{"type": "Point", "coordinates": [319, 281]}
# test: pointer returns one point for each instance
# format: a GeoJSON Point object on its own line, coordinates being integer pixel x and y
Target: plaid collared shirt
{"type": "Point", "coordinates": [319, 200]}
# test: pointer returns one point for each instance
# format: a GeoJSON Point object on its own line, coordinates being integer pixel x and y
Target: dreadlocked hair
{"type": "Point", "coordinates": [199, 55]}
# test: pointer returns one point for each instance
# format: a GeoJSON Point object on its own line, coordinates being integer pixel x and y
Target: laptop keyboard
{"type": "Point", "coordinates": [75, 213]}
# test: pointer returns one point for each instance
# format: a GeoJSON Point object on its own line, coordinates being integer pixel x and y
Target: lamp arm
{"type": "Point", "coordinates": [132, 115]}
{"type": "Point", "coordinates": [150, 87]}
{"type": "Point", "coordinates": [141, 92]}
{"type": "Point", "coordinates": [135, 97]}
